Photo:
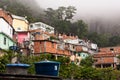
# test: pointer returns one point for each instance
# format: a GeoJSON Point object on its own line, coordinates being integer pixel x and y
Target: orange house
{"type": "Point", "coordinates": [47, 46]}
{"type": "Point", "coordinates": [107, 57]}
{"type": "Point", "coordinates": [105, 60]}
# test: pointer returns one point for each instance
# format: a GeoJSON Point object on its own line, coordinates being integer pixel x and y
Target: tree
{"type": "Point", "coordinates": [61, 13]}
{"type": "Point", "coordinates": [70, 11]}
{"type": "Point", "coordinates": [60, 18]}
{"type": "Point", "coordinates": [101, 40]}
{"type": "Point", "coordinates": [15, 7]}
{"type": "Point", "coordinates": [87, 62]}
{"type": "Point", "coordinates": [80, 28]}
{"type": "Point", "coordinates": [114, 41]}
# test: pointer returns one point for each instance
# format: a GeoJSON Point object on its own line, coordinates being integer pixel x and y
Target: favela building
{"type": "Point", "coordinates": [6, 30]}
{"type": "Point", "coordinates": [40, 38]}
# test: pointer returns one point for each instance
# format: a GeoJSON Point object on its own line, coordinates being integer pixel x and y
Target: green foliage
{"type": "Point", "coordinates": [87, 62]}
{"type": "Point", "coordinates": [106, 74]}
{"type": "Point", "coordinates": [32, 59]}
{"type": "Point", "coordinates": [17, 8]}
{"type": "Point", "coordinates": [53, 38]}
{"type": "Point", "coordinates": [81, 28]}
{"type": "Point", "coordinates": [60, 14]}
{"type": "Point", "coordinates": [67, 70]}
{"type": "Point", "coordinates": [3, 61]}
{"type": "Point", "coordinates": [60, 18]}
{"type": "Point", "coordinates": [104, 40]}
{"type": "Point", "coordinates": [114, 41]}
{"type": "Point", "coordinates": [101, 40]}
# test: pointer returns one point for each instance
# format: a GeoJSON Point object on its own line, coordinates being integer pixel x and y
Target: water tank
{"type": "Point", "coordinates": [50, 68]}
{"type": "Point", "coordinates": [17, 68]}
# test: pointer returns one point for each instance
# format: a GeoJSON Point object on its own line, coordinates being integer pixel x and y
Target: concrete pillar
{"type": "Point", "coordinates": [112, 65]}
{"type": "Point", "coordinates": [56, 57]}
{"type": "Point", "coordinates": [101, 65]}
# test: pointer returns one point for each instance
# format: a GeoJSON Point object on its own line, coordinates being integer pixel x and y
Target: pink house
{"type": "Point", "coordinates": [22, 36]}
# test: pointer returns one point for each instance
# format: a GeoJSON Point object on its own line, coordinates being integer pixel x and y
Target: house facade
{"type": "Point", "coordinates": [6, 15]}
{"type": "Point", "coordinates": [6, 41]}
{"type": "Point", "coordinates": [107, 57]}
{"type": "Point", "coordinates": [22, 36]}
{"type": "Point", "coordinates": [44, 27]}
{"type": "Point", "coordinates": [6, 30]}
{"type": "Point", "coordinates": [20, 23]}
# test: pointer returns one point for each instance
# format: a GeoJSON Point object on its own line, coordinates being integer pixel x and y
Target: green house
{"type": "Point", "coordinates": [83, 55]}
{"type": "Point", "coordinates": [5, 41]}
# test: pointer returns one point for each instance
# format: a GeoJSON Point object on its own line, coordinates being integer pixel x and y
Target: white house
{"type": "Point", "coordinates": [6, 28]}
{"type": "Point", "coordinates": [39, 25]}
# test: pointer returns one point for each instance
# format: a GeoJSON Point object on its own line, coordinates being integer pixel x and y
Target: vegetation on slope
{"type": "Point", "coordinates": [61, 20]}
{"type": "Point", "coordinates": [68, 70]}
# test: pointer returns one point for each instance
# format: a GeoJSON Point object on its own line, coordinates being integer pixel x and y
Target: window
{"type": "Point", "coordinates": [31, 26]}
{"type": "Point", "coordinates": [73, 47]}
{"type": "Point", "coordinates": [10, 31]}
{"type": "Point", "coordinates": [83, 55]}
{"type": "Point", "coordinates": [111, 49]}
{"type": "Point", "coordinates": [4, 41]}
{"type": "Point", "coordinates": [18, 28]}
{"type": "Point", "coordinates": [52, 45]}
{"type": "Point", "coordinates": [38, 25]}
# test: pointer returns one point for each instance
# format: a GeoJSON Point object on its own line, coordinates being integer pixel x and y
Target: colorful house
{"type": "Point", "coordinates": [44, 27]}
{"type": "Point", "coordinates": [103, 60]}
{"type": "Point", "coordinates": [45, 46]}
{"type": "Point", "coordinates": [22, 36]}
{"type": "Point", "coordinates": [6, 15]}
{"type": "Point", "coordinates": [107, 57]}
{"type": "Point", "coordinates": [20, 25]}
{"type": "Point", "coordinates": [6, 41]}
{"type": "Point", "coordinates": [83, 55]}
{"type": "Point", "coordinates": [6, 30]}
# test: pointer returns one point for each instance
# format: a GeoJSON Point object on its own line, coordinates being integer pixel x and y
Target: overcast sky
{"type": "Point", "coordinates": [90, 8]}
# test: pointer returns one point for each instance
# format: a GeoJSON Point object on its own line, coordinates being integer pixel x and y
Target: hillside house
{"type": "Point", "coordinates": [6, 30]}
{"type": "Point", "coordinates": [107, 57]}
{"type": "Point", "coordinates": [20, 23]}
{"type": "Point", "coordinates": [44, 27]}
{"type": "Point", "coordinates": [6, 15]}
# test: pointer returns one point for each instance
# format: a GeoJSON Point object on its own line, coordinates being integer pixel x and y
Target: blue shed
{"type": "Point", "coordinates": [17, 68]}
{"type": "Point", "coordinates": [50, 68]}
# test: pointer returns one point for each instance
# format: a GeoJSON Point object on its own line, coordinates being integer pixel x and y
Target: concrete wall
{"type": "Point", "coordinates": [9, 42]}
{"type": "Point", "coordinates": [21, 36]}
{"type": "Point", "coordinates": [6, 28]}
{"type": "Point", "coordinates": [20, 25]}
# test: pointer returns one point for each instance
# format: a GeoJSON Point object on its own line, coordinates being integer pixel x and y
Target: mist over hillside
{"type": "Point", "coordinates": [33, 5]}
{"type": "Point", "coordinates": [99, 23]}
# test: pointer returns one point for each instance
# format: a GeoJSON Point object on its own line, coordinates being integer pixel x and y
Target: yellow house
{"type": "Point", "coordinates": [20, 23]}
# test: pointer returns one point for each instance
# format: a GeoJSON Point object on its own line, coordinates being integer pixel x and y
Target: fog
{"type": "Point", "coordinates": [34, 7]}
{"type": "Point", "coordinates": [101, 16]}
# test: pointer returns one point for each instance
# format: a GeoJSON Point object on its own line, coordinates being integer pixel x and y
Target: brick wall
{"type": "Point", "coordinates": [104, 60]}
{"type": "Point", "coordinates": [6, 15]}
{"type": "Point", "coordinates": [42, 46]}
{"type": "Point", "coordinates": [78, 48]}
{"type": "Point", "coordinates": [36, 47]}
